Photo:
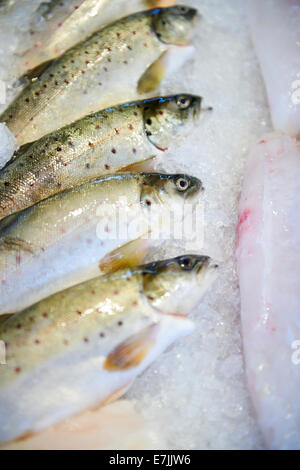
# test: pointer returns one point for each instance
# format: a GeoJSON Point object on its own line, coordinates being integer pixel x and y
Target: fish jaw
{"type": "Point", "coordinates": [268, 240]}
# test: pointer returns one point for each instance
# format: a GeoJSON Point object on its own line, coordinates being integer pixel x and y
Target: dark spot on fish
{"type": "Point", "coordinates": [6, 183]}
{"type": "Point", "coordinates": [66, 81]}
{"type": "Point", "coordinates": [56, 82]}
{"type": "Point", "coordinates": [107, 167]}
{"type": "Point", "coordinates": [109, 49]}
{"type": "Point", "coordinates": [58, 149]}
{"type": "Point", "coordinates": [27, 100]}
{"type": "Point", "coordinates": [120, 323]}
{"type": "Point", "coordinates": [87, 61]}
{"type": "Point", "coordinates": [145, 44]}
{"type": "Point", "coordinates": [100, 84]}
{"type": "Point", "coordinates": [91, 144]}
{"type": "Point", "coordinates": [117, 131]}
{"type": "Point", "coordinates": [17, 370]}
{"type": "Point", "coordinates": [101, 335]}
{"type": "Point", "coordinates": [37, 341]}
{"type": "Point", "coordinates": [97, 127]}
{"type": "Point", "coordinates": [82, 71]}
{"type": "Point", "coordinates": [113, 150]}
{"type": "Point", "coordinates": [135, 113]}
{"type": "Point", "coordinates": [66, 342]}
{"type": "Point", "coordinates": [45, 315]}
{"type": "Point", "coordinates": [45, 85]}
{"type": "Point", "coordinates": [88, 165]}
{"type": "Point", "coordinates": [93, 292]}
{"type": "Point", "coordinates": [19, 326]}
{"type": "Point", "coordinates": [31, 119]}
{"type": "Point", "coordinates": [134, 150]}
{"type": "Point", "coordinates": [118, 35]}
{"type": "Point", "coordinates": [134, 303]}
{"type": "Point", "coordinates": [148, 133]}
{"type": "Point", "coordinates": [148, 202]}
{"type": "Point", "coordinates": [105, 69]}
{"type": "Point", "coordinates": [130, 126]}
{"type": "Point", "coordinates": [86, 340]}
{"type": "Point", "coordinates": [133, 32]}
{"type": "Point", "coordinates": [129, 47]}
{"type": "Point", "coordinates": [125, 62]}
{"type": "Point", "coordinates": [149, 121]}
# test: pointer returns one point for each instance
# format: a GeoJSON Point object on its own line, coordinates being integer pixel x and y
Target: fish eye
{"type": "Point", "coordinates": [182, 184]}
{"type": "Point", "coordinates": [183, 102]}
{"type": "Point", "coordinates": [186, 263]}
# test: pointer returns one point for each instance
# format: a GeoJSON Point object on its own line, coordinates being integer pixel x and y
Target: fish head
{"type": "Point", "coordinates": [175, 25]}
{"type": "Point", "coordinates": [176, 285]}
{"type": "Point", "coordinates": [165, 118]}
{"type": "Point", "coordinates": [168, 190]}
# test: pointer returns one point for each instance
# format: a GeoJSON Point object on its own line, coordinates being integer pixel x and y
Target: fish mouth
{"type": "Point", "coordinates": [195, 190]}
{"type": "Point", "coordinates": [206, 265]}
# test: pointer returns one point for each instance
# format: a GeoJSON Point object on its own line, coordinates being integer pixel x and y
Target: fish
{"type": "Point", "coordinates": [275, 33]}
{"type": "Point", "coordinates": [94, 228]}
{"type": "Point", "coordinates": [108, 141]}
{"type": "Point", "coordinates": [268, 255]}
{"type": "Point", "coordinates": [58, 25]}
{"type": "Point", "coordinates": [102, 71]}
{"type": "Point", "coordinates": [83, 347]}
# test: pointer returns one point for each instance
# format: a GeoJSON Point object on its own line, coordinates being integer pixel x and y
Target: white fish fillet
{"type": "Point", "coordinates": [269, 269]}
{"type": "Point", "coordinates": [275, 26]}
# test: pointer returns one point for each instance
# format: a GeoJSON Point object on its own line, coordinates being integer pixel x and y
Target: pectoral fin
{"type": "Point", "coordinates": [153, 76]}
{"type": "Point", "coordinates": [130, 254]}
{"type": "Point", "coordinates": [132, 351]}
{"type": "Point", "coordinates": [140, 167]}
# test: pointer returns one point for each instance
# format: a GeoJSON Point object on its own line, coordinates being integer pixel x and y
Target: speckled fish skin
{"type": "Point", "coordinates": [98, 144]}
{"type": "Point", "coordinates": [57, 25]}
{"type": "Point", "coordinates": [85, 345]}
{"type": "Point", "coordinates": [66, 237]}
{"type": "Point", "coordinates": [101, 71]}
